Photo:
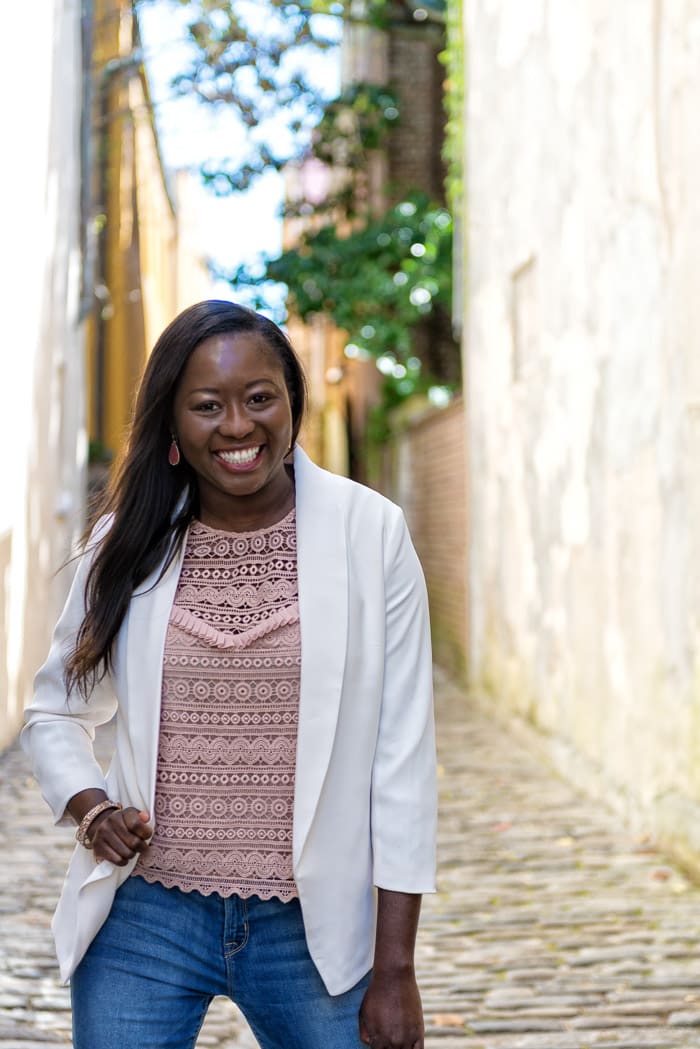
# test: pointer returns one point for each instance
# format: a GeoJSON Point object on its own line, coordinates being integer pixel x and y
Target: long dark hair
{"type": "Point", "coordinates": [152, 503]}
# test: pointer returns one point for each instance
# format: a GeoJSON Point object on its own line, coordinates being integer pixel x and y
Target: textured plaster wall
{"type": "Point", "coordinates": [582, 351]}
{"type": "Point", "coordinates": [42, 441]}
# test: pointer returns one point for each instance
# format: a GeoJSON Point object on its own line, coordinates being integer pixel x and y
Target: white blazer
{"type": "Point", "coordinates": [365, 794]}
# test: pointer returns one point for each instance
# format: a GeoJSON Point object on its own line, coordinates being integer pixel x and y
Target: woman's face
{"type": "Point", "coordinates": [233, 420]}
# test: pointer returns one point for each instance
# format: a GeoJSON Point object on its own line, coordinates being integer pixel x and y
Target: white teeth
{"type": "Point", "coordinates": [246, 455]}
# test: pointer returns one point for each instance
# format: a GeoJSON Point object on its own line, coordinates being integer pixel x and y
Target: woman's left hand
{"type": "Point", "coordinates": [391, 1016]}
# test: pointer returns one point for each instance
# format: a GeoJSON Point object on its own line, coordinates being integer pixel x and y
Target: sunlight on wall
{"type": "Point", "coordinates": [41, 368]}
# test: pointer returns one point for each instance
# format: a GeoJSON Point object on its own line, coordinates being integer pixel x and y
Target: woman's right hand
{"type": "Point", "coordinates": [118, 834]}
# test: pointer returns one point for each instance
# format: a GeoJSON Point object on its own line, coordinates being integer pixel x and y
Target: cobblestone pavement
{"type": "Point", "coordinates": [553, 927]}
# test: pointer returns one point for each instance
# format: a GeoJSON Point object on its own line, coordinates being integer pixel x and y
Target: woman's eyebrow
{"type": "Point", "coordinates": [217, 389]}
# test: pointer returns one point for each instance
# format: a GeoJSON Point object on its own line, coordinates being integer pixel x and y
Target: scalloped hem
{"type": "Point", "coordinates": [173, 882]}
{"type": "Point", "coordinates": [188, 622]}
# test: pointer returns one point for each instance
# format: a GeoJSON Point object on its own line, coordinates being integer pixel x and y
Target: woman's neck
{"type": "Point", "coordinates": [249, 513]}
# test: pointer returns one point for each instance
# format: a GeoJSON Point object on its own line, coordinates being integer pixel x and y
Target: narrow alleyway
{"type": "Point", "coordinates": [553, 928]}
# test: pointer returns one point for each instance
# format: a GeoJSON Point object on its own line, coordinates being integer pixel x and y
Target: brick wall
{"type": "Point", "coordinates": [415, 148]}
{"type": "Point", "coordinates": [425, 472]}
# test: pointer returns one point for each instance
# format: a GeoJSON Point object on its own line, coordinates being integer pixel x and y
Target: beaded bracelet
{"type": "Point", "coordinates": [86, 822]}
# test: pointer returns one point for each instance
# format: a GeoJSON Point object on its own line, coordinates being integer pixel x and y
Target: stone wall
{"type": "Point", "coordinates": [582, 346]}
{"type": "Point", "coordinates": [425, 472]}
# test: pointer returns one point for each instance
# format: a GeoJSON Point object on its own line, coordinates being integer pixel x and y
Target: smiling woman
{"type": "Point", "coordinates": [260, 629]}
{"type": "Point", "coordinates": [232, 418]}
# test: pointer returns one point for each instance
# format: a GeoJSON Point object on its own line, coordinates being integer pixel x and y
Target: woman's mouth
{"type": "Point", "coordinates": [240, 458]}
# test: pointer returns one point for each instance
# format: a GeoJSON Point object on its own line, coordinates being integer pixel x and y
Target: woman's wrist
{"type": "Point", "coordinates": [82, 835]}
{"type": "Point", "coordinates": [396, 968]}
{"type": "Point", "coordinates": [81, 803]}
{"type": "Point", "coordinates": [86, 807]}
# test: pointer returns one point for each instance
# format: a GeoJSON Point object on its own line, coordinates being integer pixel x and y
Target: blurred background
{"type": "Point", "coordinates": [479, 222]}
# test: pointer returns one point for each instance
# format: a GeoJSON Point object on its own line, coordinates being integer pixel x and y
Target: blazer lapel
{"type": "Point", "coordinates": [323, 611]}
{"type": "Point", "coordinates": [147, 626]}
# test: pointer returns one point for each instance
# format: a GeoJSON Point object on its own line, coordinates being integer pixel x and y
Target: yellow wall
{"type": "Point", "coordinates": [138, 251]}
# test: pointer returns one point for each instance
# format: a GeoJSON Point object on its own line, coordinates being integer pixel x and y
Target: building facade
{"type": "Point", "coordinates": [95, 259]}
{"type": "Point", "coordinates": [583, 364]}
{"type": "Point", "coordinates": [147, 263]}
{"type": "Point", "coordinates": [42, 426]}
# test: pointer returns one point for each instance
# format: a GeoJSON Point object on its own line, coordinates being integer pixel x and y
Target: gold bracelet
{"type": "Point", "coordinates": [85, 823]}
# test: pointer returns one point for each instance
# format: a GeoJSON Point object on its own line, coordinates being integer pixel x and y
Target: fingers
{"type": "Point", "coordinates": [137, 823]}
{"type": "Point", "coordinates": [120, 834]}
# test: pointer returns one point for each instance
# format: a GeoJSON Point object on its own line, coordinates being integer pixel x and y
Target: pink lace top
{"type": "Point", "coordinates": [227, 745]}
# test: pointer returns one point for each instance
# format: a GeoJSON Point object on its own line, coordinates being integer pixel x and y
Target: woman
{"type": "Point", "coordinates": [259, 626]}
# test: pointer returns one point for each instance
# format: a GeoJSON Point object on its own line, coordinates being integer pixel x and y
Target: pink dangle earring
{"type": "Point", "coordinates": [174, 452]}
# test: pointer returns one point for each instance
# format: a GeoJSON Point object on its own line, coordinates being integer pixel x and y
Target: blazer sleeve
{"type": "Point", "coordinates": [404, 780]}
{"type": "Point", "coordinates": [59, 727]}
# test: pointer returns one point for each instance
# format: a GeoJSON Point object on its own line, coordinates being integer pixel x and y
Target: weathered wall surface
{"type": "Point", "coordinates": [582, 347]}
{"type": "Point", "coordinates": [42, 440]}
{"type": "Point", "coordinates": [138, 242]}
{"type": "Point", "coordinates": [425, 472]}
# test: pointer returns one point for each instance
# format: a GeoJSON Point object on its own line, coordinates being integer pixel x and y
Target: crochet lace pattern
{"type": "Point", "coordinates": [228, 730]}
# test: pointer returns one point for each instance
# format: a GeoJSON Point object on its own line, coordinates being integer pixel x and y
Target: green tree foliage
{"type": "Point", "coordinates": [253, 56]}
{"type": "Point", "coordinates": [380, 284]}
{"type": "Point", "coordinates": [352, 126]}
{"type": "Point", "coordinates": [387, 282]}
{"type": "Point", "coordinates": [453, 59]}
{"type": "Point", "coordinates": [377, 282]}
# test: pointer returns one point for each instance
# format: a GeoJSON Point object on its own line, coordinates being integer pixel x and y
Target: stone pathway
{"type": "Point", "coordinates": [553, 927]}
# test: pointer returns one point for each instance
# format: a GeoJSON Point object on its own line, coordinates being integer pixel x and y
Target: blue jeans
{"type": "Point", "coordinates": [149, 975]}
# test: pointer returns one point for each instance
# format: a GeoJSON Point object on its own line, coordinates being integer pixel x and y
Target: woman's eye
{"type": "Point", "coordinates": [260, 398]}
{"type": "Point", "coordinates": [206, 406]}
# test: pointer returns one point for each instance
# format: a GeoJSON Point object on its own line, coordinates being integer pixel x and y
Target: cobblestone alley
{"type": "Point", "coordinates": [553, 928]}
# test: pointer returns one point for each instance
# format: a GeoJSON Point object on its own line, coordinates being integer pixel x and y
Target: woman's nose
{"type": "Point", "coordinates": [237, 422]}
